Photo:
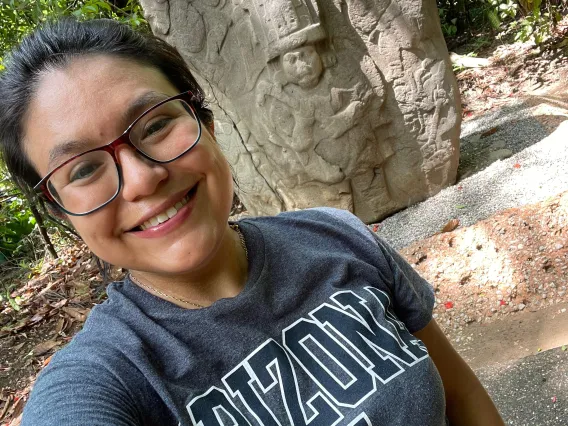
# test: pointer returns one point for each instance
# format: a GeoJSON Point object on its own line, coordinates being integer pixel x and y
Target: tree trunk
{"type": "Point", "coordinates": [42, 229]}
{"type": "Point", "coordinates": [38, 217]}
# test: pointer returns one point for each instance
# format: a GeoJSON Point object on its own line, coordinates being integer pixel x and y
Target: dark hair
{"type": "Point", "coordinates": [53, 46]}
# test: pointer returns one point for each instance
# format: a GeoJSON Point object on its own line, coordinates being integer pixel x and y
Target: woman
{"type": "Point", "coordinates": [302, 318]}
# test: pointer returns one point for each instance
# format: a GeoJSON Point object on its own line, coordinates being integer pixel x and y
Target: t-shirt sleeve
{"type": "Point", "coordinates": [413, 297]}
{"type": "Point", "coordinates": [75, 393]}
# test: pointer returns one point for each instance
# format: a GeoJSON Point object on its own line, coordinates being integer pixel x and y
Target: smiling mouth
{"type": "Point", "coordinates": [168, 213]}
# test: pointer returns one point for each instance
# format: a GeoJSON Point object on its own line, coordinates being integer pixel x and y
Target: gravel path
{"type": "Point", "coordinates": [535, 172]}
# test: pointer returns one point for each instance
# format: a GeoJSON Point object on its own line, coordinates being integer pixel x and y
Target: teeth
{"type": "Point", "coordinates": [171, 212]}
{"type": "Point", "coordinates": [168, 214]}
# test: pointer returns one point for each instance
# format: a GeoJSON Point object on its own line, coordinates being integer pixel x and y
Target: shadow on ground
{"type": "Point", "coordinates": [531, 391]}
{"type": "Point", "coordinates": [507, 131]}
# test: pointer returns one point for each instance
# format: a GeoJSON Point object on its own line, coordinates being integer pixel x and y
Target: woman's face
{"type": "Point", "coordinates": [83, 106]}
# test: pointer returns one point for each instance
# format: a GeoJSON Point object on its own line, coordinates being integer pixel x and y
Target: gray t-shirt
{"type": "Point", "coordinates": [320, 335]}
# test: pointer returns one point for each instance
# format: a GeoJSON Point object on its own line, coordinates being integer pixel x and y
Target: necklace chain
{"type": "Point", "coordinates": [235, 228]}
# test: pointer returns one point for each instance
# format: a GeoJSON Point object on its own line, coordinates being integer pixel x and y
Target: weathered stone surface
{"type": "Point", "coordinates": [345, 103]}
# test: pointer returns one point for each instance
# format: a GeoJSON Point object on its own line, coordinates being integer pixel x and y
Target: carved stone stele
{"type": "Point", "coordinates": [343, 103]}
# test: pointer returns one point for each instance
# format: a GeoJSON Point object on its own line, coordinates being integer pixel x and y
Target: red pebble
{"type": "Point", "coordinates": [449, 305]}
{"type": "Point", "coordinates": [517, 166]}
{"type": "Point", "coordinates": [502, 302]}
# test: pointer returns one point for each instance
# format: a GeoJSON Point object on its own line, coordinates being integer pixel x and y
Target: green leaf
{"type": "Point", "coordinates": [493, 19]}
{"type": "Point", "coordinates": [13, 303]}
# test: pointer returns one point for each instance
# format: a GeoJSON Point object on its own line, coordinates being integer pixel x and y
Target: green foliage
{"type": "Point", "coordinates": [529, 20]}
{"type": "Point", "coordinates": [537, 25]}
{"type": "Point", "coordinates": [501, 10]}
{"type": "Point", "coordinates": [16, 220]}
{"type": "Point", "coordinates": [20, 17]}
{"type": "Point", "coordinates": [449, 28]}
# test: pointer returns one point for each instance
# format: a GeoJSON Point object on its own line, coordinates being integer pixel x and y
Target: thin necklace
{"type": "Point", "coordinates": [235, 228]}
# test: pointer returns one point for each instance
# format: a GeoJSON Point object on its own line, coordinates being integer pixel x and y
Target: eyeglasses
{"type": "Point", "coordinates": [89, 181]}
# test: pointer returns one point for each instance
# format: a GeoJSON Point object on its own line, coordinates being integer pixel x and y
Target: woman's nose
{"type": "Point", "coordinates": [141, 177]}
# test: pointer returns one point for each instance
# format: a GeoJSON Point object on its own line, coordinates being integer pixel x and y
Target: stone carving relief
{"type": "Point", "coordinates": [345, 103]}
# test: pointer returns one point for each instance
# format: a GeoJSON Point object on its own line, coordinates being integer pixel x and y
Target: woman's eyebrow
{"type": "Point", "coordinates": [64, 149]}
{"type": "Point", "coordinates": [141, 104]}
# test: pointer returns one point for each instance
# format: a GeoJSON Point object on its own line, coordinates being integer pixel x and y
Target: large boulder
{"type": "Point", "coordinates": [343, 103]}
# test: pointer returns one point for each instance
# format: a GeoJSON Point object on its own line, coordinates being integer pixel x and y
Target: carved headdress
{"type": "Point", "coordinates": [289, 24]}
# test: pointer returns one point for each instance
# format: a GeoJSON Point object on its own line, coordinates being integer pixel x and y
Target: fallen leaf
{"type": "Point", "coordinates": [17, 421]}
{"type": "Point", "coordinates": [553, 399]}
{"type": "Point", "coordinates": [6, 407]}
{"type": "Point", "coordinates": [60, 325]}
{"type": "Point", "coordinates": [489, 132]}
{"type": "Point", "coordinates": [78, 314]}
{"type": "Point", "coordinates": [17, 348]}
{"type": "Point", "coordinates": [563, 348]}
{"type": "Point", "coordinates": [23, 323]}
{"type": "Point", "coordinates": [451, 225]}
{"type": "Point", "coordinates": [59, 304]}
{"type": "Point", "coordinates": [36, 318]}
{"type": "Point", "coordinates": [461, 206]}
{"type": "Point", "coordinates": [375, 228]}
{"type": "Point", "coordinates": [44, 347]}
{"type": "Point", "coordinates": [17, 410]}
{"type": "Point", "coordinates": [47, 360]}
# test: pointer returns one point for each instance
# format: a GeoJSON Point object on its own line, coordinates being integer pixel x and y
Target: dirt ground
{"type": "Point", "coordinates": [513, 262]}
{"type": "Point", "coordinates": [48, 308]}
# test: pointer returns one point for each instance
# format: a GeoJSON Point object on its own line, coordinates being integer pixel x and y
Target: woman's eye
{"type": "Point", "coordinates": [156, 126]}
{"type": "Point", "coordinates": [83, 172]}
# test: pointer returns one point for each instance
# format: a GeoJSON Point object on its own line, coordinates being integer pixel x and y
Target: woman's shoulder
{"type": "Point", "coordinates": [88, 378]}
{"type": "Point", "coordinates": [322, 220]}
{"type": "Point", "coordinates": [314, 215]}
{"type": "Point", "coordinates": [105, 325]}
{"type": "Point", "coordinates": [94, 357]}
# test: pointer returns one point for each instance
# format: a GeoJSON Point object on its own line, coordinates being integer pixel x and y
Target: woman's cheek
{"type": "Point", "coordinates": [94, 228]}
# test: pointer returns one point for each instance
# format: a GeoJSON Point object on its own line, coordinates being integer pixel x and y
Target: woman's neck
{"type": "Point", "coordinates": [223, 276]}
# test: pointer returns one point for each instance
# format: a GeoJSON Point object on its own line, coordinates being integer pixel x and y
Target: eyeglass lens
{"type": "Point", "coordinates": [92, 179]}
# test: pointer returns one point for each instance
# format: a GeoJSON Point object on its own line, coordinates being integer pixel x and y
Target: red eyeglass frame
{"type": "Point", "coordinates": [123, 139]}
